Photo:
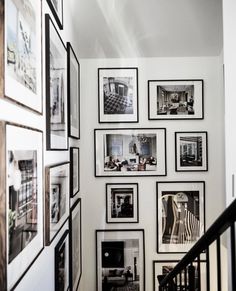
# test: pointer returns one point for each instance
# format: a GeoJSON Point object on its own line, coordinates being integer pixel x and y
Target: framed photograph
{"type": "Point", "coordinates": [56, 88]}
{"type": "Point", "coordinates": [175, 99]}
{"type": "Point", "coordinates": [120, 259]}
{"type": "Point", "coordinates": [122, 203]}
{"type": "Point", "coordinates": [57, 199]}
{"type": "Point", "coordinates": [191, 151]}
{"type": "Point", "coordinates": [74, 171]}
{"type": "Point", "coordinates": [21, 53]}
{"type": "Point", "coordinates": [21, 196]}
{"type": "Point", "coordinates": [73, 77]}
{"type": "Point", "coordinates": [118, 95]}
{"type": "Point", "coordinates": [75, 245]}
{"type": "Point", "coordinates": [56, 7]}
{"type": "Point", "coordinates": [61, 269]}
{"type": "Point", "coordinates": [128, 152]}
{"type": "Point", "coordinates": [180, 215]}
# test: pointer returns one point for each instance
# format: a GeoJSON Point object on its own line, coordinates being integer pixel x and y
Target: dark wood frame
{"type": "Point", "coordinates": [59, 18]}
{"type": "Point", "coordinates": [99, 107]}
{"type": "Point", "coordinates": [72, 195]}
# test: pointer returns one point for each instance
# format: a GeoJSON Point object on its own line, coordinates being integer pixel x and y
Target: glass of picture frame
{"type": "Point", "coordinates": [56, 7]}
{"type": "Point", "coordinates": [74, 171]}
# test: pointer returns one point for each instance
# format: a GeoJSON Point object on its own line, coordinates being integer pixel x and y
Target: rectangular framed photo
{"type": "Point", "coordinates": [118, 95]}
{"type": "Point", "coordinates": [21, 53]}
{"type": "Point", "coordinates": [73, 77]}
{"type": "Point", "coordinates": [74, 171]}
{"type": "Point", "coordinates": [122, 203]}
{"type": "Point", "coordinates": [128, 152]}
{"type": "Point", "coordinates": [180, 215]}
{"type": "Point", "coordinates": [57, 199]}
{"type": "Point", "coordinates": [21, 196]}
{"type": "Point", "coordinates": [56, 88]}
{"type": "Point", "coordinates": [120, 259]}
{"type": "Point", "coordinates": [191, 151]}
{"type": "Point", "coordinates": [56, 7]}
{"type": "Point", "coordinates": [175, 99]}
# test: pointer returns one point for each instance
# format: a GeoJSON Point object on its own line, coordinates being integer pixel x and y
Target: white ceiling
{"type": "Point", "coordinates": [147, 28]}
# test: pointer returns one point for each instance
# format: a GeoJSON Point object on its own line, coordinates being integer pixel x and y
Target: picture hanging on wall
{"type": "Point", "coordinates": [180, 215]}
{"type": "Point", "coordinates": [191, 151]}
{"type": "Point", "coordinates": [74, 171]}
{"type": "Point", "coordinates": [175, 99]}
{"type": "Point", "coordinates": [118, 95]}
{"type": "Point", "coordinates": [21, 50]}
{"type": "Point", "coordinates": [56, 89]}
{"type": "Point", "coordinates": [21, 184]}
{"type": "Point", "coordinates": [56, 7]}
{"type": "Point", "coordinates": [122, 203]}
{"type": "Point", "coordinates": [130, 152]}
{"type": "Point", "coordinates": [120, 259]}
{"type": "Point", "coordinates": [57, 198]}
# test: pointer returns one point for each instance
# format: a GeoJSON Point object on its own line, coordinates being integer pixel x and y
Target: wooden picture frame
{"type": "Point", "coordinates": [56, 7]}
{"type": "Point", "coordinates": [74, 171]}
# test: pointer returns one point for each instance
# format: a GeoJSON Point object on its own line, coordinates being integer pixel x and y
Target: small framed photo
{"type": "Point", "coordinates": [73, 92]}
{"type": "Point", "coordinates": [56, 88]}
{"type": "Point", "coordinates": [56, 7]}
{"type": "Point", "coordinates": [175, 99]}
{"type": "Point", "coordinates": [120, 259]}
{"type": "Point", "coordinates": [62, 259]}
{"type": "Point", "coordinates": [180, 215]}
{"type": "Point", "coordinates": [56, 200]}
{"type": "Point", "coordinates": [74, 171]}
{"type": "Point", "coordinates": [118, 95]}
{"type": "Point", "coordinates": [130, 152]}
{"type": "Point", "coordinates": [191, 151]}
{"type": "Point", "coordinates": [122, 203]}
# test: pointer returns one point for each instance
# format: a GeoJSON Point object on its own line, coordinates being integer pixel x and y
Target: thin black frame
{"type": "Point", "coordinates": [136, 207]}
{"type": "Point", "coordinates": [99, 107]}
{"type": "Point", "coordinates": [72, 195]}
{"type": "Point", "coordinates": [203, 158]}
{"type": "Point", "coordinates": [59, 19]}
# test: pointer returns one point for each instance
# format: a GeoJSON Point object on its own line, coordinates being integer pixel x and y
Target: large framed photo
{"type": "Point", "coordinates": [21, 53]}
{"type": "Point", "coordinates": [21, 196]}
{"type": "Point", "coordinates": [56, 88]}
{"type": "Point", "coordinates": [191, 151]}
{"type": "Point", "coordinates": [180, 215]}
{"type": "Point", "coordinates": [175, 99]}
{"type": "Point", "coordinates": [74, 171]}
{"type": "Point", "coordinates": [73, 93]}
{"type": "Point", "coordinates": [56, 7]}
{"type": "Point", "coordinates": [120, 259]}
{"type": "Point", "coordinates": [130, 152]}
{"type": "Point", "coordinates": [118, 94]}
{"type": "Point", "coordinates": [57, 200]}
{"type": "Point", "coordinates": [122, 203]}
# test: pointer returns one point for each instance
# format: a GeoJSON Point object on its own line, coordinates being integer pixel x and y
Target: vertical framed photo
{"type": "Point", "coordinates": [130, 152]}
{"type": "Point", "coordinates": [21, 196]}
{"type": "Point", "coordinates": [56, 88]}
{"type": "Point", "coordinates": [61, 269]}
{"type": "Point", "coordinates": [21, 53]}
{"type": "Point", "coordinates": [57, 204]}
{"type": "Point", "coordinates": [74, 171]}
{"type": "Point", "coordinates": [120, 259]}
{"type": "Point", "coordinates": [175, 99]}
{"type": "Point", "coordinates": [73, 77]}
{"type": "Point", "coordinates": [180, 215]}
{"type": "Point", "coordinates": [118, 95]}
{"type": "Point", "coordinates": [191, 151]}
{"type": "Point", "coordinates": [122, 203]}
{"type": "Point", "coordinates": [75, 245]}
{"type": "Point", "coordinates": [56, 7]}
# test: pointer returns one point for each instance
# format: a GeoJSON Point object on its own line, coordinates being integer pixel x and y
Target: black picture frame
{"type": "Point", "coordinates": [74, 164]}
{"type": "Point", "coordinates": [58, 15]}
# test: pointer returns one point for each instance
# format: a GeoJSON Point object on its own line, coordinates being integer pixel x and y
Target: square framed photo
{"type": "Point", "coordinates": [56, 7]}
{"type": "Point", "coordinates": [118, 95]}
{"type": "Point", "coordinates": [130, 152]}
{"type": "Point", "coordinates": [56, 88]}
{"type": "Point", "coordinates": [180, 215]}
{"type": "Point", "coordinates": [74, 171]}
{"type": "Point", "coordinates": [73, 77]}
{"type": "Point", "coordinates": [191, 151]}
{"type": "Point", "coordinates": [21, 196]}
{"type": "Point", "coordinates": [57, 199]}
{"type": "Point", "coordinates": [120, 259]}
{"type": "Point", "coordinates": [122, 203]}
{"type": "Point", "coordinates": [21, 53]}
{"type": "Point", "coordinates": [175, 99]}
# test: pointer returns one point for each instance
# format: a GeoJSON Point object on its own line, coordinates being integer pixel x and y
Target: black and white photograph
{"type": "Point", "coordinates": [191, 152]}
{"type": "Point", "coordinates": [175, 99]}
{"type": "Point", "coordinates": [56, 7]}
{"type": "Point", "coordinates": [122, 203]}
{"type": "Point", "coordinates": [56, 89]}
{"type": "Point", "coordinates": [118, 95]}
{"type": "Point", "coordinates": [55, 202]}
{"type": "Point", "coordinates": [120, 260]}
{"type": "Point", "coordinates": [74, 171]}
{"type": "Point", "coordinates": [130, 152]}
{"type": "Point", "coordinates": [180, 215]}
